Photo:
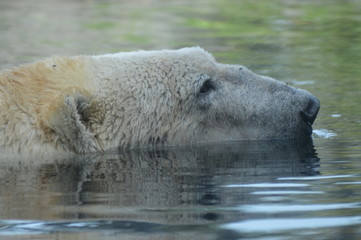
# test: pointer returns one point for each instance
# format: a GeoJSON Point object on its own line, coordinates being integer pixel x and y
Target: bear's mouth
{"type": "Point", "coordinates": [306, 120]}
{"type": "Point", "coordinates": [308, 125]}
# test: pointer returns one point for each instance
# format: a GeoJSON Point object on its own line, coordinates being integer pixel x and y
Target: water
{"type": "Point", "coordinates": [245, 190]}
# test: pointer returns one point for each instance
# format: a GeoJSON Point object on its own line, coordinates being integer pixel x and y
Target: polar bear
{"type": "Point", "coordinates": [144, 99]}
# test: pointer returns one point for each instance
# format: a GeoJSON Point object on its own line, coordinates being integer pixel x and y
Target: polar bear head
{"type": "Point", "coordinates": [182, 97]}
{"type": "Point", "coordinates": [145, 99]}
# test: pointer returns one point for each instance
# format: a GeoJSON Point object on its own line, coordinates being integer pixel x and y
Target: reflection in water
{"type": "Point", "coordinates": [181, 186]}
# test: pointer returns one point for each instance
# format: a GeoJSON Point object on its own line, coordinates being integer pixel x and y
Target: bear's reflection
{"type": "Point", "coordinates": [171, 185]}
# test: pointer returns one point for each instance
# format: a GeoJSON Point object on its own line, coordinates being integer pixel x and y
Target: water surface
{"type": "Point", "coordinates": [244, 190]}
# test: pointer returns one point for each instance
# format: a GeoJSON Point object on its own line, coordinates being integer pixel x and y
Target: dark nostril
{"type": "Point", "coordinates": [311, 110]}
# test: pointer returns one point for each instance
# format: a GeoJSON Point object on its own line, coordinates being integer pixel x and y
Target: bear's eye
{"type": "Point", "coordinates": [207, 86]}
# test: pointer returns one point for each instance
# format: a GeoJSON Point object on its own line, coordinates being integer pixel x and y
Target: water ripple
{"type": "Point", "coordinates": [287, 224]}
{"type": "Point", "coordinates": [19, 227]}
{"type": "Point", "coordinates": [285, 192]}
{"type": "Point", "coordinates": [323, 133]}
{"type": "Point", "coordinates": [268, 185]}
{"type": "Point", "coordinates": [277, 208]}
{"type": "Point", "coordinates": [316, 177]}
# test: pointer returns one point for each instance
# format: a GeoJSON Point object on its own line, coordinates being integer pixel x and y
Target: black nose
{"type": "Point", "coordinates": [310, 113]}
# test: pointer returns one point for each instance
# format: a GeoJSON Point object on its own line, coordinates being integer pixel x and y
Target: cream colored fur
{"type": "Point", "coordinates": [31, 98]}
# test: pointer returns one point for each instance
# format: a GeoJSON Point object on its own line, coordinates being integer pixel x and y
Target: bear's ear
{"type": "Point", "coordinates": [68, 117]}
